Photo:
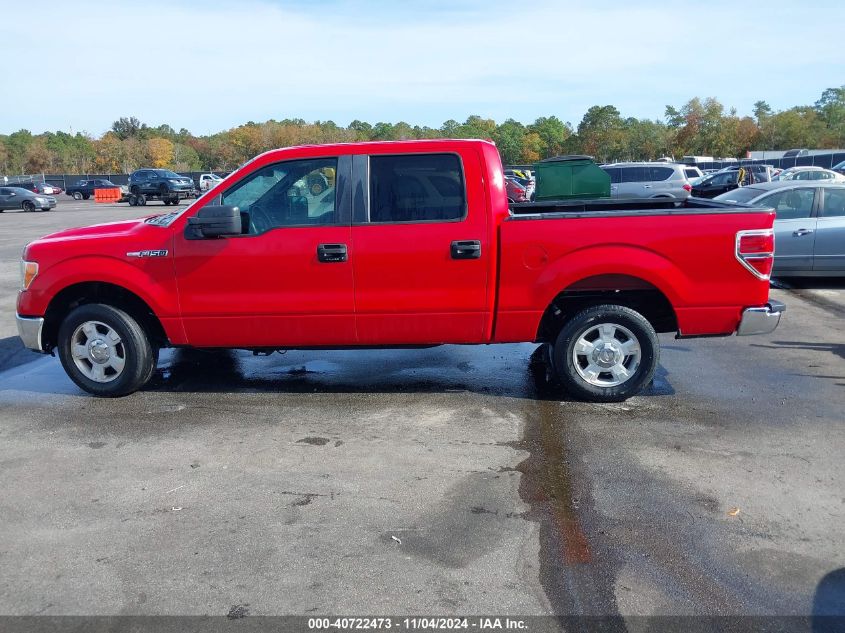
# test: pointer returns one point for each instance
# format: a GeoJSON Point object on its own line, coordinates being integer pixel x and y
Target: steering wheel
{"type": "Point", "coordinates": [259, 219]}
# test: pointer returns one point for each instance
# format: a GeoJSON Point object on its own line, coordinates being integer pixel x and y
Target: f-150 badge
{"type": "Point", "coordinates": [147, 254]}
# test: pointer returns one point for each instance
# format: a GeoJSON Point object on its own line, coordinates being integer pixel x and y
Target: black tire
{"type": "Point", "coordinates": [166, 202]}
{"type": "Point", "coordinates": [142, 199]}
{"type": "Point", "coordinates": [133, 200]}
{"type": "Point", "coordinates": [77, 195]}
{"type": "Point", "coordinates": [28, 205]}
{"type": "Point", "coordinates": [138, 354]}
{"type": "Point", "coordinates": [574, 379]}
{"type": "Point", "coordinates": [85, 196]}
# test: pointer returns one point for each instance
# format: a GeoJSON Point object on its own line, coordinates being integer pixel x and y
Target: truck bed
{"type": "Point", "coordinates": [686, 250]}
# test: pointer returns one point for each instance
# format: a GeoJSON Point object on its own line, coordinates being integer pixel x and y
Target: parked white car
{"type": "Point", "coordinates": [810, 173]}
{"type": "Point", "coordinates": [209, 181]}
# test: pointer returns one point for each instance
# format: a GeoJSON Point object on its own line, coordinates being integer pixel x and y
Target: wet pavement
{"type": "Point", "coordinates": [451, 480]}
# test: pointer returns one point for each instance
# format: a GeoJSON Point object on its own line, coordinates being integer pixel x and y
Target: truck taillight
{"type": "Point", "coordinates": [687, 187]}
{"type": "Point", "coordinates": [756, 251]}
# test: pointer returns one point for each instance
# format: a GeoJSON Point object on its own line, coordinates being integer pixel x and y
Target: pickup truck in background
{"type": "Point", "coordinates": [266, 261]}
{"type": "Point", "coordinates": [209, 181]}
{"type": "Point", "coordinates": [84, 189]}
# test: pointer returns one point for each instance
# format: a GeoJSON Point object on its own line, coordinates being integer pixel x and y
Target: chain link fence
{"type": "Point", "coordinates": [66, 180]}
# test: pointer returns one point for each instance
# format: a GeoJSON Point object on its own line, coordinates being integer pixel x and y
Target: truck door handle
{"type": "Point", "coordinates": [646, 186]}
{"type": "Point", "coordinates": [331, 253]}
{"type": "Point", "coordinates": [466, 249]}
{"type": "Point", "coordinates": [801, 232]}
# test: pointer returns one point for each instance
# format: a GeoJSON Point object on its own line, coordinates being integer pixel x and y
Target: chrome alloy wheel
{"type": "Point", "coordinates": [98, 351]}
{"type": "Point", "coordinates": [606, 355]}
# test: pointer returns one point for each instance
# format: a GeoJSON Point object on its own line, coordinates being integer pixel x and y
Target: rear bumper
{"type": "Point", "coordinates": [29, 329]}
{"type": "Point", "coordinates": [761, 320]}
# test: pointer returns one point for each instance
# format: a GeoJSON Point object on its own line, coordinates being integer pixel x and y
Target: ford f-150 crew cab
{"type": "Point", "coordinates": [410, 244]}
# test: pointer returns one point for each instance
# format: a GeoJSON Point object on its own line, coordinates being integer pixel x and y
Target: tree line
{"type": "Point", "coordinates": [699, 127]}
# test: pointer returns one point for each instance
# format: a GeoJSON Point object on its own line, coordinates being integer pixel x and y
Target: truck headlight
{"type": "Point", "coordinates": [29, 271]}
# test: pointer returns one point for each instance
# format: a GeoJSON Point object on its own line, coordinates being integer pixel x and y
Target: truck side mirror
{"type": "Point", "coordinates": [215, 220]}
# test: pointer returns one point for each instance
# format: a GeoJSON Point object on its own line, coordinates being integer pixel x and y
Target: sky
{"type": "Point", "coordinates": [210, 65]}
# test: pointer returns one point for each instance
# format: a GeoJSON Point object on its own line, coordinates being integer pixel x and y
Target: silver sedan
{"type": "Point", "coordinates": [809, 226]}
{"type": "Point", "coordinates": [18, 198]}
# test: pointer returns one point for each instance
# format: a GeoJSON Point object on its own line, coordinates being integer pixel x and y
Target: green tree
{"type": "Point", "coordinates": [509, 138]}
{"type": "Point", "coordinates": [831, 109]}
{"type": "Point", "coordinates": [476, 127]}
{"type": "Point", "coordinates": [601, 133]}
{"type": "Point", "coordinates": [450, 128]}
{"type": "Point", "coordinates": [125, 127]}
{"type": "Point", "coordinates": [363, 131]}
{"type": "Point", "coordinates": [552, 133]}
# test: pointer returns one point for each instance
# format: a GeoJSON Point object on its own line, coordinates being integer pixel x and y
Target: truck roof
{"type": "Point", "coordinates": [363, 147]}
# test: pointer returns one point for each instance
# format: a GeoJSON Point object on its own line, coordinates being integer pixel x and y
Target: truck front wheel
{"type": "Point", "coordinates": [606, 353]}
{"type": "Point", "coordinates": [105, 351]}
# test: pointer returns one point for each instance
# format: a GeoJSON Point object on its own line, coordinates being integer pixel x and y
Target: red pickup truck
{"type": "Point", "coordinates": [408, 244]}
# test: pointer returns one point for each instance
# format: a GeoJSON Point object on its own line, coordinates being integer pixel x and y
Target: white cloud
{"type": "Point", "coordinates": [208, 66]}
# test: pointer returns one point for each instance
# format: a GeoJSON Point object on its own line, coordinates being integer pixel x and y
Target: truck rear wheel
{"type": "Point", "coordinates": [606, 353]}
{"type": "Point", "coordinates": [105, 351]}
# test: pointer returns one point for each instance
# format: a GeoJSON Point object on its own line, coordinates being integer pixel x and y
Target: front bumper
{"type": "Point", "coordinates": [29, 329]}
{"type": "Point", "coordinates": [761, 320]}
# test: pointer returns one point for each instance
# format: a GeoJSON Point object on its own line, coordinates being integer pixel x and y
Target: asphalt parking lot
{"type": "Point", "coordinates": [443, 481]}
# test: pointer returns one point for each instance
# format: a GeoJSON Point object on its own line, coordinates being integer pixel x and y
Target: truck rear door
{"type": "Point", "coordinates": [421, 248]}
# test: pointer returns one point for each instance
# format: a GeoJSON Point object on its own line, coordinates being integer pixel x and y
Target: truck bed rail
{"type": "Point", "coordinates": [614, 207]}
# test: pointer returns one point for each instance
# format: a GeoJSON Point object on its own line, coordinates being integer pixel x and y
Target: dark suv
{"type": "Point", "coordinates": [163, 183]}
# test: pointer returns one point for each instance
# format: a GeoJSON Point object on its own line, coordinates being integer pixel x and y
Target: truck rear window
{"type": "Point", "coordinates": [416, 188]}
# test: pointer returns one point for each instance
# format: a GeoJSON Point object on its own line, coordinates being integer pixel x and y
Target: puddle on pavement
{"type": "Point", "coordinates": [555, 487]}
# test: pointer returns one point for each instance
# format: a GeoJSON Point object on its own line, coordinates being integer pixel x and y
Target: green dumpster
{"type": "Point", "coordinates": [570, 178]}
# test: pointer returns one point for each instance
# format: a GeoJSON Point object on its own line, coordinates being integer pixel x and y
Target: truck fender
{"type": "Point", "coordinates": [613, 259]}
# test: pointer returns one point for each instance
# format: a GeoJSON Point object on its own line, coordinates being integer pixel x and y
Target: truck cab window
{"type": "Point", "coordinates": [417, 188]}
{"type": "Point", "coordinates": [292, 193]}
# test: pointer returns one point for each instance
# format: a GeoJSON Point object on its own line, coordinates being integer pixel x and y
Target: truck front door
{"type": "Point", "coordinates": [422, 250]}
{"type": "Point", "coordinates": [286, 281]}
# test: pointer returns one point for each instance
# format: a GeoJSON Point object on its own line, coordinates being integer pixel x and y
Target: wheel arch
{"type": "Point", "coordinates": [107, 293]}
{"type": "Point", "coordinates": [610, 288]}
